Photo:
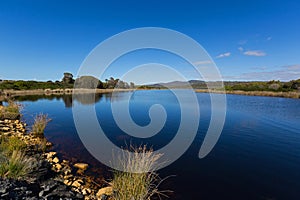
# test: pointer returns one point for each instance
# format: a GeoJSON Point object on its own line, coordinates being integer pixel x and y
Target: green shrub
{"type": "Point", "coordinates": [10, 144]}
{"type": "Point", "coordinates": [16, 166]}
{"type": "Point", "coordinates": [39, 125]}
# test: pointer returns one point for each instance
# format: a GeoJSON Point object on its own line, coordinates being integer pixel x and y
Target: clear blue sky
{"type": "Point", "coordinates": [248, 40]}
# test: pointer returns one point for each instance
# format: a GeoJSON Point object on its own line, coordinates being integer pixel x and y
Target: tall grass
{"type": "Point", "coordinates": [137, 180]}
{"type": "Point", "coordinates": [16, 166]}
{"type": "Point", "coordinates": [10, 144]}
{"type": "Point", "coordinates": [13, 161]}
{"type": "Point", "coordinates": [11, 110]}
{"type": "Point", "coordinates": [13, 107]}
{"type": "Point", "coordinates": [39, 125]}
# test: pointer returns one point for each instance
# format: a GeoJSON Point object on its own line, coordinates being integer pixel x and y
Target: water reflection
{"type": "Point", "coordinates": [68, 99]}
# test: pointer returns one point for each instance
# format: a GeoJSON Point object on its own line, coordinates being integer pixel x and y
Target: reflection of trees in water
{"type": "Point", "coordinates": [67, 100]}
{"type": "Point", "coordinates": [83, 98]}
{"type": "Point", "coordinates": [87, 98]}
{"type": "Point", "coordinates": [36, 97]}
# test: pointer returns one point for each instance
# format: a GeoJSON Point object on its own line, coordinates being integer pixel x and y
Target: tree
{"type": "Point", "coordinates": [132, 85]}
{"type": "Point", "coordinates": [111, 83]}
{"type": "Point", "coordinates": [68, 78]}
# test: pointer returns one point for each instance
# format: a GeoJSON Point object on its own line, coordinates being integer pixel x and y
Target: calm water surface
{"type": "Point", "coordinates": [256, 157]}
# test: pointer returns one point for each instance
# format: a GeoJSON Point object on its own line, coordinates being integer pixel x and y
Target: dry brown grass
{"type": "Point", "coordinates": [40, 122]}
{"type": "Point", "coordinates": [138, 179]}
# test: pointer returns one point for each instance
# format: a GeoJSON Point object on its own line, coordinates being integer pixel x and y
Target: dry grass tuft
{"type": "Point", "coordinates": [39, 125]}
{"type": "Point", "coordinates": [137, 180]}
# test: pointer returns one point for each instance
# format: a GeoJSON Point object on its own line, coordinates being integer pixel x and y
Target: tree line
{"type": "Point", "coordinates": [275, 86]}
{"type": "Point", "coordinates": [68, 81]}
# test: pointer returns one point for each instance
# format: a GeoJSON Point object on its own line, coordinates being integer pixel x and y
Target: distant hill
{"type": "Point", "coordinates": [180, 84]}
{"type": "Point", "coordinates": [275, 86]}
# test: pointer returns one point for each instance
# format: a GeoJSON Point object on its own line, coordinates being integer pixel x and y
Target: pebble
{"type": "Point", "coordinates": [82, 166]}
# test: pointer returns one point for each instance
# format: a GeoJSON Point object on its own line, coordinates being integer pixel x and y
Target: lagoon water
{"type": "Point", "coordinates": [257, 155]}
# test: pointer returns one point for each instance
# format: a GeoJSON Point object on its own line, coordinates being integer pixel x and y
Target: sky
{"type": "Point", "coordinates": [247, 40]}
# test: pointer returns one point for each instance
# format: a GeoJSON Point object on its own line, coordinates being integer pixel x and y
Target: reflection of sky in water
{"type": "Point", "coordinates": [259, 147]}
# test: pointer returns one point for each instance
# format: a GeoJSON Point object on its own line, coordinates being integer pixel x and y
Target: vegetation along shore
{"type": "Point", "coordinates": [90, 84]}
{"type": "Point", "coordinates": [29, 169]}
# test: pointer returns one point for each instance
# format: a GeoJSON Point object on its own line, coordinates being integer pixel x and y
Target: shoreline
{"type": "Point", "coordinates": [293, 95]}
{"type": "Point", "coordinates": [69, 91]}
{"type": "Point", "coordinates": [51, 177]}
{"type": "Point", "coordinates": [59, 91]}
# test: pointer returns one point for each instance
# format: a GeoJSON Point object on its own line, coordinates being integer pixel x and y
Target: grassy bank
{"type": "Point", "coordinates": [295, 95]}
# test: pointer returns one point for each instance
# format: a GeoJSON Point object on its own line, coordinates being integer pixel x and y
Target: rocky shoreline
{"type": "Point", "coordinates": [50, 177]}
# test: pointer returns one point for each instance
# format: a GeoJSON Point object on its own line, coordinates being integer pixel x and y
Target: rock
{"type": "Point", "coordinates": [49, 144]}
{"type": "Point", "coordinates": [88, 190]}
{"type": "Point", "coordinates": [76, 184]}
{"type": "Point", "coordinates": [65, 162]}
{"type": "Point", "coordinates": [80, 172]}
{"type": "Point", "coordinates": [41, 193]}
{"type": "Point", "coordinates": [67, 171]}
{"type": "Point", "coordinates": [67, 182]}
{"type": "Point", "coordinates": [84, 191]}
{"type": "Point", "coordinates": [5, 129]}
{"type": "Point", "coordinates": [55, 160]}
{"type": "Point", "coordinates": [58, 166]}
{"type": "Point", "coordinates": [103, 197]}
{"type": "Point", "coordinates": [80, 181]}
{"type": "Point", "coordinates": [7, 134]}
{"type": "Point", "coordinates": [2, 190]}
{"type": "Point", "coordinates": [50, 154]}
{"type": "Point", "coordinates": [82, 166]}
{"type": "Point", "coordinates": [68, 177]}
{"type": "Point", "coordinates": [105, 191]}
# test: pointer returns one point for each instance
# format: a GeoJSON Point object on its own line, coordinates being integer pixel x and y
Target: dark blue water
{"type": "Point", "coordinates": [256, 157]}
